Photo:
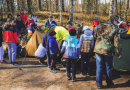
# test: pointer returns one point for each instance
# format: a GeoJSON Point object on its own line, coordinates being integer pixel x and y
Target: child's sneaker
{"type": "Point", "coordinates": [15, 64]}
{"type": "Point", "coordinates": [73, 79]}
{"type": "Point", "coordinates": [3, 62]}
{"type": "Point", "coordinates": [53, 71]}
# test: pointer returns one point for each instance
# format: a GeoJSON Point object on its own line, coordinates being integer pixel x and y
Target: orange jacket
{"type": "Point", "coordinates": [95, 23]}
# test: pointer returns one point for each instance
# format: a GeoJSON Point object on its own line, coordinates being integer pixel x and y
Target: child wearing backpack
{"type": "Point", "coordinates": [86, 43]}
{"type": "Point", "coordinates": [71, 47]}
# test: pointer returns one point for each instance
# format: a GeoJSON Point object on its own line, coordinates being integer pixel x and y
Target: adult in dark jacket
{"type": "Point", "coordinates": [53, 50]}
{"type": "Point", "coordinates": [125, 36]}
{"type": "Point", "coordinates": [44, 44]}
{"type": "Point", "coordinates": [19, 25]}
{"type": "Point", "coordinates": [1, 47]}
{"type": "Point", "coordinates": [80, 31]}
{"type": "Point", "coordinates": [49, 22]}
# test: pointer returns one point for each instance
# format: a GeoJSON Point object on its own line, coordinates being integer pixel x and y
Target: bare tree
{"type": "Point", "coordinates": [126, 8]}
{"type": "Point", "coordinates": [8, 6]}
{"type": "Point", "coordinates": [39, 5]}
{"type": "Point", "coordinates": [46, 5]}
{"type": "Point", "coordinates": [89, 8]}
{"type": "Point", "coordinates": [61, 3]}
{"type": "Point", "coordinates": [63, 6]}
{"type": "Point", "coordinates": [12, 5]}
{"type": "Point", "coordinates": [111, 8]}
{"type": "Point", "coordinates": [115, 7]}
{"type": "Point", "coordinates": [50, 4]}
{"type": "Point", "coordinates": [71, 10]}
{"type": "Point", "coordinates": [29, 6]}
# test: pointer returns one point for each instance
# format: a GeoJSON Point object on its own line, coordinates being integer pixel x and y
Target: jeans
{"type": "Point", "coordinates": [85, 57]}
{"type": "Point", "coordinates": [21, 31]}
{"type": "Point", "coordinates": [19, 47]}
{"type": "Point", "coordinates": [12, 51]}
{"type": "Point", "coordinates": [100, 60]}
{"type": "Point", "coordinates": [53, 61]}
{"type": "Point", "coordinates": [1, 53]}
{"type": "Point", "coordinates": [73, 66]}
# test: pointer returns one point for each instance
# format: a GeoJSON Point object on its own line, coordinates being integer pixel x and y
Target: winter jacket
{"type": "Point", "coordinates": [1, 38]}
{"type": "Point", "coordinates": [53, 46]}
{"type": "Point", "coordinates": [70, 28]}
{"type": "Point", "coordinates": [106, 36]}
{"type": "Point", "coordinates": [19, 23]}
{"type": "Point", "coordinates": [80, 32]}
{"type": "Point", "coordinates": [86, 41]}
{"type": "Point", "coordinates": [34, 17]}
{"type": "Point", "coordinates": [61, 33]}
{"type": "Point", "coordinates": [71, 47]}
{"type": "Point", "coordinates": [30, 29]}
{"type": "Point", "coordinates": [10, 34]}
{"type": "Point", "coordinates": [44, 42]}
{"type": "Point", "coordinates": [23, 17]}
{"type": "Point", "coordinates": [95, 23]}
{"type": "Point", "coordinates": [48, 24]}
{"type": "Point", "coordinates": [28, 22]}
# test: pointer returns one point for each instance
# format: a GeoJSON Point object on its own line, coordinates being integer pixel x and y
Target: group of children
{"type": "Point", "coordinates": [70, 47]}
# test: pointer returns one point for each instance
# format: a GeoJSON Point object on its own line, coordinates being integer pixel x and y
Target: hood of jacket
{"type": "Point", "coordinates": [71, 41]}
{"type": "Point", "coordinates": [50, 37]}
{"type": "Point", "coordinates": [88, 32]}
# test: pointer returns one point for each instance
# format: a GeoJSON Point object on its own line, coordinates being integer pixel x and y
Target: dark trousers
{"type": "Point", "coordinates": [48, 59]}
{"type": "Point", "coordinates": [19, 47]}
{"type": "Point", "coordinates": [68, 60]}
{"type": "Point", "coordinates": [53, 61]}
{"type": "Point", "coordinates": [42, 58]}
{"type": "Point", "coordinates": [85, 57]}
{"type": "Point", "coordinates": [60, 54]}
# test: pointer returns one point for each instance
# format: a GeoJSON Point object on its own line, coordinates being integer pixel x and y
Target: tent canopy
{"type": "Point", "coordinates": [33, 44]}
{"type": "Point", "coordinates": [123, 64]}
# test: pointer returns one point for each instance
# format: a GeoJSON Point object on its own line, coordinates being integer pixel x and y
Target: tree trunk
{"type": "Point", "coordinates": [115, 7]}
{"type": "Point", "coordinates": [111, 8]}
{"type": "Point", "coordinates": [29, 6]}
{"type": "Point", "coordinates": [1, 7]}
{"type": "Point", "coordinates": [96, 6]}
{"type": "Point", "coordinates": [89, 11]}
{"type": "Point", "coordinates": [8, 6]}
{"type": "Point", "coordinates": [63, 9]}
{"type": "Point", "coordinates": [12, 6]}
{"type": "Point", "coordinates": [71, 11]}
{"type": "Point", "coordinates": [57, 9]}
{"type": "Point", "coordinates": [39, 5]}
{"type": "Point", "coordinates": [61, 3]}
{"type": "Point", "coordinates": [46, 5]}
{"type": "Point", "coordinates": [120, 8]}
{"type": "Point", "coordinates": [126, 8]}
{"type": "Point", "coordinates": [50, 4]}
{"type": "Point", "coordinates": [17, 4]}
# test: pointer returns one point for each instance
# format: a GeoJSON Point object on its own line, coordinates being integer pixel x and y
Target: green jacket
{"type": "Point", "coordinates": [106, 39]}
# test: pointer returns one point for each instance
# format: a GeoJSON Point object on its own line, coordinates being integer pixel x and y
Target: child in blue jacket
{"type": "Point", "coordinates": [71, 47]}
{"type": "Point", "coordinates": [53, 50]}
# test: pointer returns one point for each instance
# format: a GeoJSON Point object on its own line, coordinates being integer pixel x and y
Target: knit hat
{"type": "Point", "coordinates": [53, 26]}
{"type": "Point", "coordinates": [18, 15]}
{"type": "Point", "coordinates": [114, 17]}
{"type": "Point", "coordinates": [86, 28]}
{"type": "Point", "coordinates": [22, 10]}
{"type": "Point", "coordinates": [69, 22]}
{"type": "Point", "coordinates": [51, 16]}
{"type": "Point", "coordinates": [72, 32]}
{"type": "Point", "coordinates": [52, 33]}
{"type": "Point", "coordinates": [95, 17]}
{"type": "Point", "coordinates": [78, 25]}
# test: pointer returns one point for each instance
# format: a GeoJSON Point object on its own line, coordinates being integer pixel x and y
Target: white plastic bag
{"type": "Point", "coordinates": [41, 51]}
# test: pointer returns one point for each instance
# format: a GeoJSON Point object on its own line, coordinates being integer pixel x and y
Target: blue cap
{"type": "Point", "coordinates": [78, 25]}
{"type": "Point", "coordinates": [53, 25]}
{"type": "Point", "coordinates": [69, 22]}
{"type": "Point", "coordinates": [95, 17]}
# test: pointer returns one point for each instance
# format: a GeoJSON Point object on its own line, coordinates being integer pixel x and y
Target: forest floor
{"type": "Point", "coordinates": [34, 76]}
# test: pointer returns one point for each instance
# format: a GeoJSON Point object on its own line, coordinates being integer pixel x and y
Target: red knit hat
{"type": "Point", "coordinates": [22, 10]}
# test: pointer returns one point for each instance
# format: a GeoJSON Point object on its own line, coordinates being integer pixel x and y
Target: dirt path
{"type": "Point", "coordinates": [34, 76]}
